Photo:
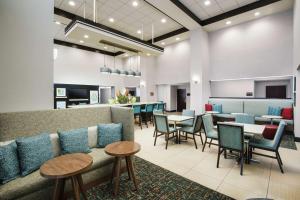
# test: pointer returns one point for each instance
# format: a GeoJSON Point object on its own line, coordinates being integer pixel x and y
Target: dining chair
{"type": "Point", "coordinates": [269, 145]}
{"type": "Point", "coordinates": [189, 122]}
{"type": "Point", "coordinates": [196, 128]}
{"type": "Point", "coordinates": [162, 127]}
{"type": "Point", "coordinates": [231, 137]}
{"type": "Point", "coordinates": [210, 132]}
{"type": "Point", "coordinates": [137, 112]}
{"type": "Point", "coordinates": [147, 113]}
{"type": "Point", "coordinates": [157, 112]}
{"type": "Point", "coordinates": [244, 118]}
{"type": "Point", "coordinates": [160, 106]}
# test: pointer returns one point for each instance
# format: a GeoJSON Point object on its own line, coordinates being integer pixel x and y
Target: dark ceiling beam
{"type": "Point", "coordinates": [187, 11]}
{"type": "Point", "coordinates": [238, 11]}
{"type": "Point", "coordinates": [78, 46]}
{"type": "Point", "coordinates": [170, 34]}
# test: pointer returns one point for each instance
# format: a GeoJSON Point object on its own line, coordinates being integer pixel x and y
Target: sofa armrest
{"type": "Point", "coordinates": [124, 116]}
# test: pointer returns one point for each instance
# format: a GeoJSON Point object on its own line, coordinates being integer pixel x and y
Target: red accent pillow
{"type": "Point", "coordinates": [287, 113]}
{"type": "Point", "coordinates": [270, 131]}
{"type": "Point", "coordinates": [208, 107]}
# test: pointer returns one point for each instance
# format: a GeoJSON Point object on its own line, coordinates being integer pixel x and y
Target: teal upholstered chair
{"type": "Point", "coordinates": [245, 118]}
{"type": "Point", "coordinates": [269, 145]}
{"type": "Point", "coordinates": [193, 130]}
{"type": "Point", "coordinates": [190, 122]}
{"type": "Point", "coordinates": [160, 106]}
{"type": "Point", "coordinates": [162, 128]}
{"type": "Point", "coordinates": [209, 130]}
{"type": "Point", "coordinates": [157, 112]}
{"type": "Point", "coordinates": [147, 113]}
{"type": "Point", "coordinates": [137, 111]}
{"type": "Point", "coordinates": [231, 137]}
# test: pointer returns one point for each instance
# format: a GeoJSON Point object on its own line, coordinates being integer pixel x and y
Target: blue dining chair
{"type": "Point", "coordinates": [147, 113]}
{"type": "Point", "coordinates": [189, 113]}
{"type": "Point", "coordinates": [157, 112]}
{"type": "Point", "coordinates": [269, 145]}
{"type": "Point", "coordinates": [137, 112]}
{"type": "Point", "coordinates": [231, 137]}
{"type": "Point", "coordinates": [160, 106]}
{"type": "Point", "coordinates": [244, 118]}
{"type": "Point", "coordinates": [193, 130]}
{"type": "Point", "coordinates": [210, 132]}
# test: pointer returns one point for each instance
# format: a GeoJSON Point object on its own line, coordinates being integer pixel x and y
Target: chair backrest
{"type": "Point", "coordinates": [149, 107]}
{"type": "Point", "coordinates": [279, 133]}
{"type": "Point", "coordinates": [137, 109]}
{"type": "Point", "coordinates": [231, 136]}
{"type": "Point", "coordinates": [190, 113]}
{"type": "Point", "coordinates": [244, 118]}
{"type": "Point", "coordinates": [208, 124]}
{"type": "Point", "coordinates": [161, 123]}
{"type": "Point", "coordinates": [160, 106]}
{"type": "Point", "coordinates": [197, 123]}
{"type": "Point", "coordinates": [160, 112]}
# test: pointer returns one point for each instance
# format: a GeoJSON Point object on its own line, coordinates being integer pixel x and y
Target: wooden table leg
{"type": "Point", "coordinates": [128, 167]}
{"type": "Point", "coordinates": [132, 171]}
{"type": "Point", "coordinates": [75, 188]}
{"type": "Point", "coordinates": [80, 183]}
{"type": "Point", "coordinates": [59, 189]}
{"type": "Point", "coordinates": [113, 170]}
{"type": "Point", "coordinates": [117, 173]}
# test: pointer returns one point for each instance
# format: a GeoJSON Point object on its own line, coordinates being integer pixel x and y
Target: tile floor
{"type": "Point", "coordinates": [260, 180]}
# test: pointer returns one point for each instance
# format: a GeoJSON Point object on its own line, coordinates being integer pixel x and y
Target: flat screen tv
{"type": "Point", "coordinates": [78, 93]}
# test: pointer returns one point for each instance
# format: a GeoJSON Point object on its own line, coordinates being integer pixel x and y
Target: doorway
{"type": "Point", "coordinates": [181, 99]}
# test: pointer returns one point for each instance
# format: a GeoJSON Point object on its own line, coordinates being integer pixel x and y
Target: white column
{"type": "Point", "coordinates": [296, 64]}
{"type": "Point", "coordinates": [148, 78]}
{"type": "Point", "coordinates": [199, 69]}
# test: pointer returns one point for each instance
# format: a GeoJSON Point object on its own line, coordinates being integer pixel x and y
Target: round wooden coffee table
{"type": "Point", "coordinates": [67, 166]}
{"type": "Point", "coordinates": [123, 149]}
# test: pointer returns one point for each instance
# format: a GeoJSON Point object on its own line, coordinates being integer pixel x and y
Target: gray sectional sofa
{"type": "Point", "coordinates": [33, 186]}
{"type": "Point", "coordinates": [257, 107]}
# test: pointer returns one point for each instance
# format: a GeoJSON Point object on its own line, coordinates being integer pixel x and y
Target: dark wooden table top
{"type": "Point", "coordinates": [66, 165]}
{"type": "Point", "coordinates": [122, 148]}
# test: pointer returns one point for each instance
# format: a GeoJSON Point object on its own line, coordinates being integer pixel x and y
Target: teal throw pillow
{"type": "Point", "coordinates": [109, 133]}
{"type": "Point", "coordinates": [74, 141]}
{"type": "Point", "coordinates": [217, 107]}
{"type": "Point", "coordinates": [9, 163]}
{"type": "Point", "coordinates": [33, 152]}
{"type": "Point", "coordinates": [274, 111]}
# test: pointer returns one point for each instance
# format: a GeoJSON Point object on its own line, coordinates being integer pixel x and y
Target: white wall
{"type": "Point", "coordinates": [296, 64]}
{"type": "Point", "coordinates": [234, 88]}
{"type": "Point", "coordinates": [148, 70]}
{"type": "Point", "coordinates": [26, 72]}
{"type": "Point", "coordinates": [75, 66]}
{"type": "Point", "coordinates": [262, 47]}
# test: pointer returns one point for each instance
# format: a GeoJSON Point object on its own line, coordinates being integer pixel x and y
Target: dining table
{"type": "Point", "coordinates": [175, 119]}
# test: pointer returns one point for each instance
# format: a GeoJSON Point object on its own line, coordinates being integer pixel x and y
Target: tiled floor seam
{"type": "Point", "coordinates": [269, 179]}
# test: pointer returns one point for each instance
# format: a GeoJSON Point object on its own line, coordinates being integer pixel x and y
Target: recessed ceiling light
{"type": "Point", "coordinates": [256, 14]}
{"type": "Point", "coordinates": [162, 43]}
{"type": "Point", "coordinates": [111, 20]}
{"type": "Point", "coordinates": [125, 55]}
{"type": "Point", "coordinates": [148, 54]}
{"type": "Point", "coordinates": [86, 36]}
{"type": "Point", "coordinates": [207, 2]}
{"type": "Point", "coordinates": [163, 20]}
{"type": "Point", "coordinates": [135, 3]}
{"type": "Point", "coordinates": [177, 38]}
{"type": "Point", "coordinates": [72, 3]}
{"type": "Point", "coordinates": [81, 41]}
{"type": "Point", "coordinates": [105, 47]}
{"type": "Point", "coordinates": [57, 22]}
{"type": "Point", "coordinates": [228, 22]}
{"type": "Point", "coordinates": [139, 32]}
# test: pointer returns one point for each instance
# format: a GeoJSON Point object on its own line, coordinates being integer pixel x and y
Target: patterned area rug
{"type": "Point", "coordinates": [288, 141]}
{"type": "Point", "coordinates": [155, 183]}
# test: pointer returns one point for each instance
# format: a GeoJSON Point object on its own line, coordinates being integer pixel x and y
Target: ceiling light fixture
{"type": "Point", "coordinates": [112, 20]}
{"type": "Point", "coordinates": [125, 55]}
{"type": "Point", "coordinates": [105, 47]}
{"type": "Point", "coordinates": [163, 20]}
{"type": "Point", "coordinates": [139, 32]}
{"type": "Point", "coordinates": [228, 22]}
{"type": "Point", "coordinates": [256, 14]}
{"type": "Point", "coordinates": [148, 54]}
{"type": "Point", "coordinates": [162, 43]}
{"type": "Point", "coordinates": [81, 41]}
{"type": "Point", "coordinates": [177, 38]}
{"type": "Point", "coordinates": [86, 36]}
{"type": "Point", "coordinates": [135, 3]}
{"type": "Point", "coordinates": [72, 3]}
{"type": "Point", "coordinates": [207, 2]}
{"type": "Point", "coordinates": [57, 22]}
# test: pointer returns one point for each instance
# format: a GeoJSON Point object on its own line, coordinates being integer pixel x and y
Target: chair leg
{"type": "Point", "coordinates": [194, 140]}
{"type": "Point", "coordinates": [178, 136]}
{"type": "Point", "coordinates": [225, 153]}
{"type": "Point", "coordinates": [201, 138]}
{"type": "Point", "coordinates": [154, 133]}
{"type": "Point", "coordinates": [167, 141]}
{"type": "Point", "coordinates": [280, 166]}
{"type": "Point", "coordinates": [242, 162]}
{"type": "Point", "coordinates": [204, 144]}
{"type": "Point", "coordinates": [147, 117]}
{"type": "Point", "coordinates": [210, 142]}
{"type": "Point", "coordinates": [218, 160]}
{"type": "Point", "coordinates": [140, 120]}
{"type": "Point", "coordinates": [279, 158]}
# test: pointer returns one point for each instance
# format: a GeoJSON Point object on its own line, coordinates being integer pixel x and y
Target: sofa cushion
{"type": "Point", "coordinates": [74, 141]}
{"type": "Point", "coordinates": [262, 119]}
{"type": "Point", "coordinates": [223, 115]}
{"type": "Point", "coordinates": [93, 136]}
{"type": "Point", "coordinates": [287, 113]}
{"type": "Point", "coordinates": [228, 105]}
{"type": "Point", "coordinates": [217, 107]}
{"type": "Point", "coordinates": [109, 133]}
{"type": "Point", "coordinates": [287, 121]}
{"type": "Point", "coordinates": [55, 144]}
{"type": "Point", "coordinates": [274, 111]}
{"type": "Point", "coordinates": [33, 152]}
{"type": "Point", "coordinates": [100, 158]}
{"type": "Point", "coordinates": [9, 163]}
{"type": "Point", "coordinates": [208, 107]}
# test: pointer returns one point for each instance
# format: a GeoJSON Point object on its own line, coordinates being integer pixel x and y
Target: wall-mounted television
{"type": "Point", "coordinates": [78, 93]}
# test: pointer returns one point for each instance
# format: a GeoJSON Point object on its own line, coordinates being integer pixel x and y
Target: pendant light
{"type": "Point", "coordinates": [105, 70]}
{"type": "Point", "coordinates": [130, 71]}
{"type": "Point", "coordinates": [115, 71]}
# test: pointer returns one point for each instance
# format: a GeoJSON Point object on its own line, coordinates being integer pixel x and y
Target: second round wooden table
{"type": "Point", "coordinates": [122, 149]}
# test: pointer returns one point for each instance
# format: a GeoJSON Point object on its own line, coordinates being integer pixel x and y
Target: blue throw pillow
{"type": "Point", "coordinates": [217, 107]}
{"type": "Point", "coordinates": [274, 111]}
{"type": "Point", "coordinates": [33, 152]}
{"type": "Point", "coordinates": [74, 141]}
{"type": "Point", "coordinates": [109, 133]}
{"type": "Point", "coordinates": [9, 163]}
